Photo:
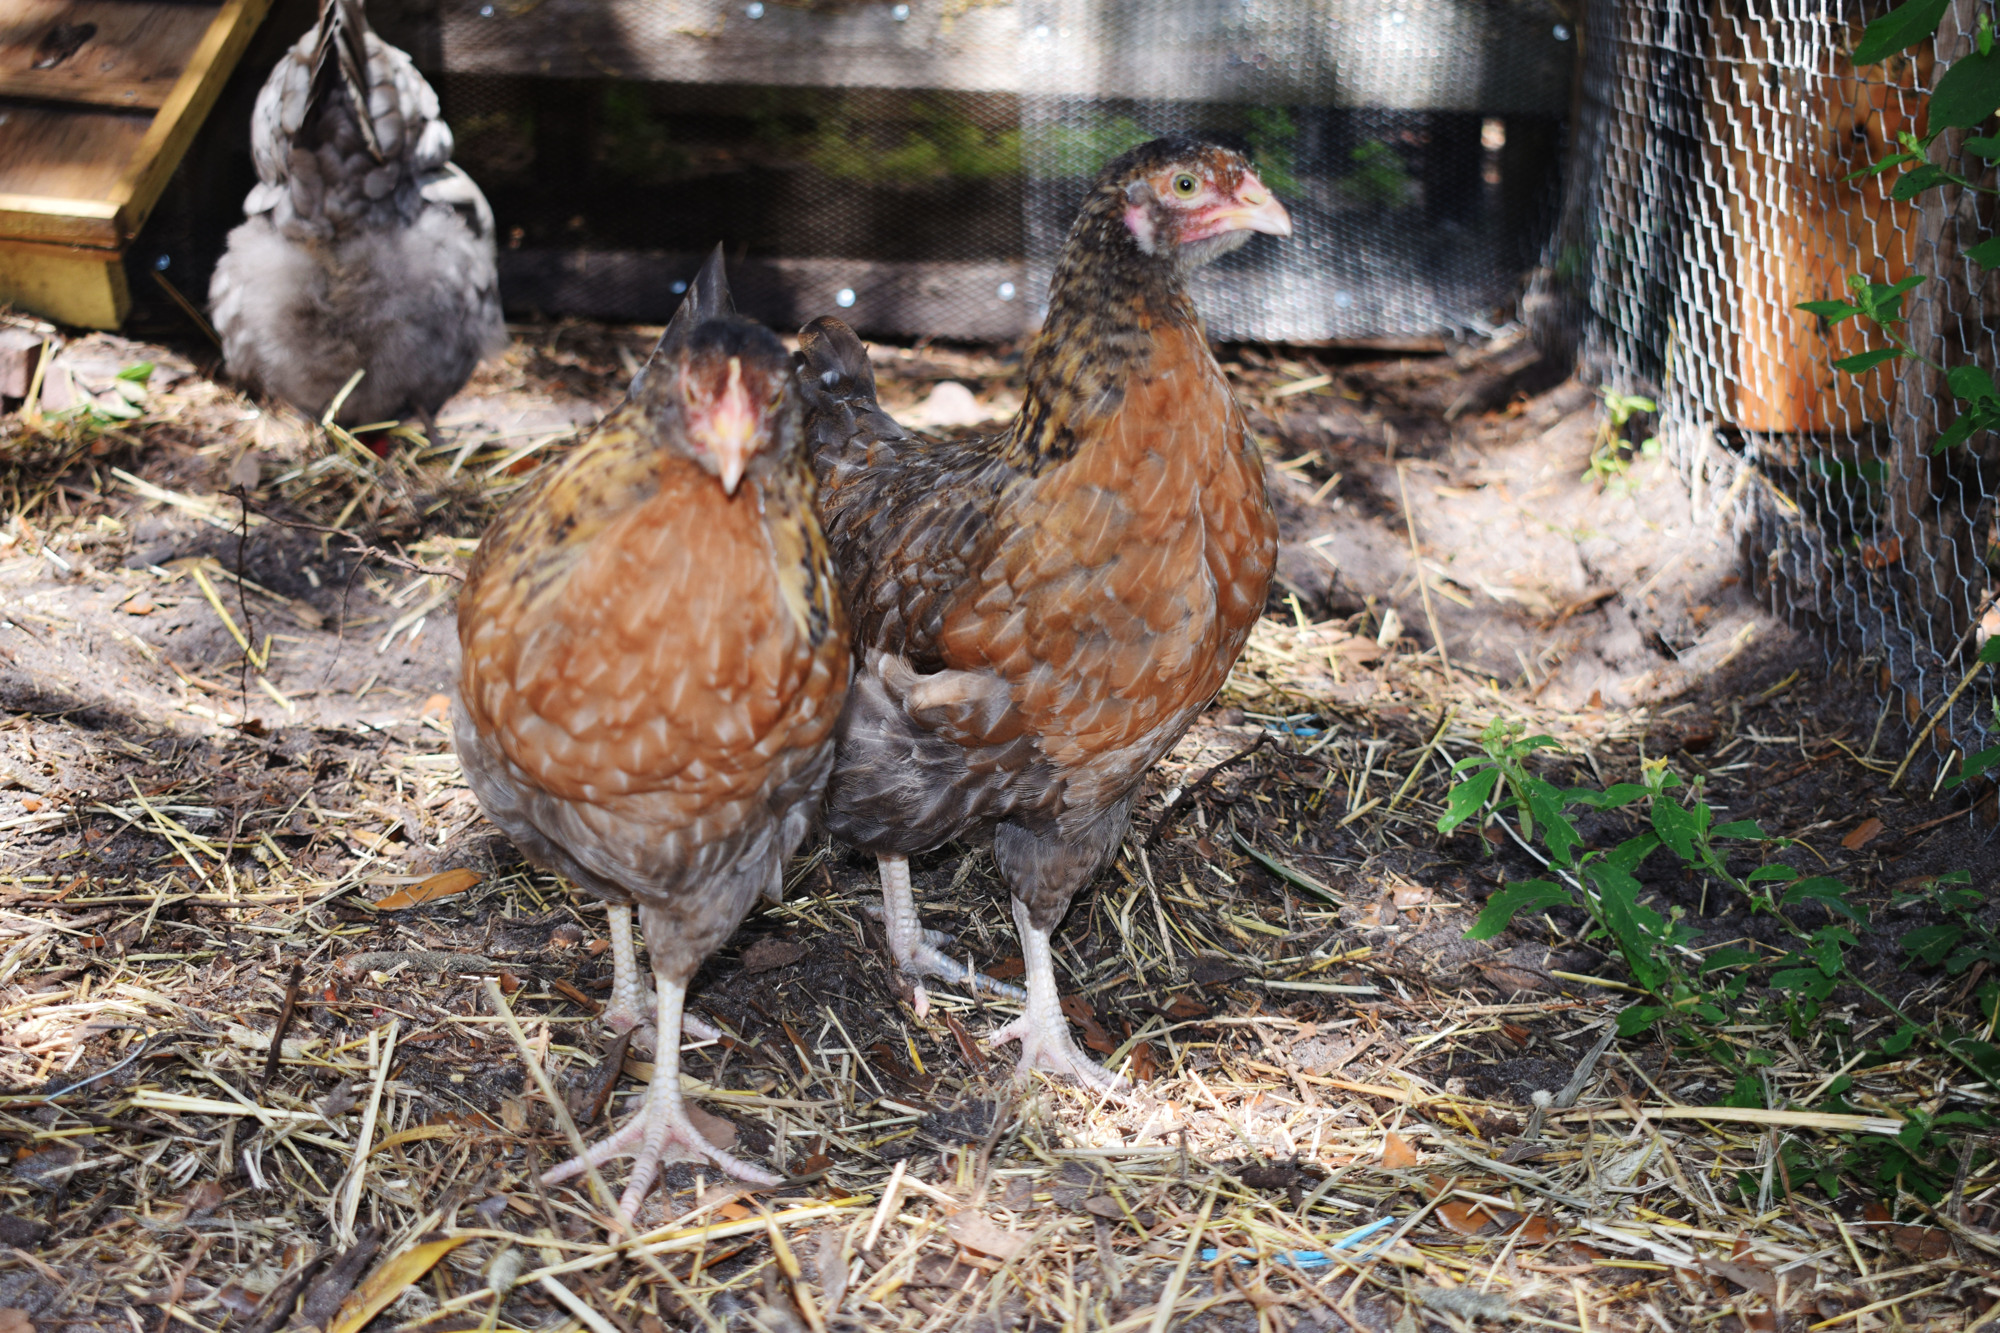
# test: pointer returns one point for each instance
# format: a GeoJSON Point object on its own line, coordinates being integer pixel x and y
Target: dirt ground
{"type": "Point", "coordinates": [229, 792]}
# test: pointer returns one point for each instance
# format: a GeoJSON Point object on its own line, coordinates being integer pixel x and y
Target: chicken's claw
{"type": "Point", "coordinates": [916, 950]}
{"type": "Point", "coordinates": [1053, 1052]}
{"type": "Point", "coordinates": [661, 1132]}
{"type": "Point", "coordinates": [1041, 1028]}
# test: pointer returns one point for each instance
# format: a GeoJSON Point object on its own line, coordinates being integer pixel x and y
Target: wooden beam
{"type": "Point", "coordinates": [1461, 55]}
{"type": "Point", "coordinates": [130, 58]}
{"type": "Point", "coordinates": [50, 220]}
{"type": "Point", "coordinates": [82, 288]}
{"type": "Point", "coordinates": [184, 109]}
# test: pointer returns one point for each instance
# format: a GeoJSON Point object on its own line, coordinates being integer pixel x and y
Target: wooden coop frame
{"type": "Point", "coordinates": [99, 100]}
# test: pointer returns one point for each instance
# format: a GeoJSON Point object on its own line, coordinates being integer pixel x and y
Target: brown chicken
{"type": "Point", "coordinates": [1038, 616]}
{"type": "Point", "coordinates": [654, 656]}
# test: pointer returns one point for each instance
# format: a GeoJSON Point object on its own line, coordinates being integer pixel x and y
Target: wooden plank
{"type": "Point", "coordinates": [134, 53]}
{"type": "Point", "coordinates": [66, 153]}
{"type": "Point", "coordinates": [1460, 55]}
{"type": "Point", "coordinates": [713, 41]}
{"type": "Point", "coordinates": [82, 288]}
{"type": "Point", "coordinates": [184, 109]}
{"type": "Point", "coordinates": [961, 300]}
{"type": "Point", "coordinates": [59, 221]}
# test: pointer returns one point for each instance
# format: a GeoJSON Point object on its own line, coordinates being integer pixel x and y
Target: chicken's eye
{"type": "Point", "coordinates": [1185, 185]}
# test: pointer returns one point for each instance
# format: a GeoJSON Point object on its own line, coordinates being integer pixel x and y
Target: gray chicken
{"type": "Point", "coordinates": [364, 247]}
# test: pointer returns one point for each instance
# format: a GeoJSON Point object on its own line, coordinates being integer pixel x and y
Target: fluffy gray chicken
{"type": "Point", "coordinates": [364, 247]}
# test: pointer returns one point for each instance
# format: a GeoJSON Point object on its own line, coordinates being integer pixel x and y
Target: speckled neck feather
{"type": "Point", "coordinates": [1107, 298]}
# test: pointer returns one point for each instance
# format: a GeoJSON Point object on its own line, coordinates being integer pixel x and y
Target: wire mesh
{"type": "Point", "coordinates": [915, 166]}
{"type": "Point", "coordinates": [1714, 188]}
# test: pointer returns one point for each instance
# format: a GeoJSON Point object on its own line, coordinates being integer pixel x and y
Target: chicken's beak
{"type": "Point", "coordinates": [733, 427]}
{"type": "Point", "coordinates": [1257, 209]}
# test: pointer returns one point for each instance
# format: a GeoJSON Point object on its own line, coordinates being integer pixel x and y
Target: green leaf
{"type": "Point", "coordinates": [1615, 797]}
{"type": "Point", "coordinates": [1970, 382]}
{"type": "Point", "coordinates": [1740, 828]}
{"type": "Point", "coordinates": [1810, 980]}
{"type": "Point", "coordinates": [1865, 361]}
{"type": "Point", "coordinates": [1637, 1018]}
{"type": "Point", "coordinates": [1918, 179]}
{"type": "Point", "coordinates": [1635, 926]}
{"type": "Point", "coordinates": [1678, 827]}
{"type": "Point", "coordinates": [1748, 1092]}
{"type": "Point", "coordinates": [1986, 254]}
{"type": "Point", "coordinates": [1983, 147]}
{"type": "Point", "coordinates": [1929, 944]}
{"type": "Point", "coordinates": [1782, 873]}
{"type": "Point", "coordinates": [1957, 433]}
{"type": "Point", "coordinates": [1900, 1042]}
{"type": "Point", "coordinates": [1545, 804]}
{"type": "Point", "coordinates": [1977, 763]}
{"type": "Point", "coordinates": [1464, 800]}
{"type": "Point", "coordinates": [1968, 93]}
{"type": "Point", "coordinates": [1727, 957]}
{"type": "Point", "coordinates": [1530, 896]}
{"type": "Point", "coordinates": [1833, 312]}
{"type": "Point", "coordinates": [1876, 169]}
{"type": "Point", "coordinates": [1899, 30]}
{"type": "Point", "coordinates": [138, 372]}
{"type": "Point", "coordinates": [1821, 889]}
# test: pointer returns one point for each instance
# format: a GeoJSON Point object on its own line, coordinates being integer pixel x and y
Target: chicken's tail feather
{"type": "Point", "coordinates": [707, 298]}
{"type": "Point", "coordinates": [340, 58]}
{"type": "Point", "coordinates": [843, 419]}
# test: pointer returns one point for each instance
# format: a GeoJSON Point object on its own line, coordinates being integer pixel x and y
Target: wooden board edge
{"type": "Point", "coordinates": [180, 116]}
{"type": "Point", "coordinates": [47, 220]}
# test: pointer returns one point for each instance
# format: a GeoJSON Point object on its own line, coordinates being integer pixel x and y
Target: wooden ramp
{"type": "Point", "coordinates": [98, 101]}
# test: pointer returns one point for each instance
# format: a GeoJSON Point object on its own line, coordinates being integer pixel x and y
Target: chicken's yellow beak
{"type": "Point", "coordinates": [1255, 209]}
{"type": "Point", "coordinates": [732, 429]}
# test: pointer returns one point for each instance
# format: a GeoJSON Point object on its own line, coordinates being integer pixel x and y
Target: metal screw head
{"type": "Point", "coordinates": [677, 286]}
{"type": "Point", "coordinates": [1562, 32]}
{"type": "Point", "coordinates": [754, 10]}
{"type": "Point", "coordinates": [486, 11]}
{"type": "Point", "coordinates": [163, 262]}
{"type": "Point", "coordinates": [844, 297]}
{"type": "Point", "coordinates": [1006, 291]}
{"type": "Point", "coordinates": [1041, 32]}
{"type": "Point", "coordinates": [900, 13]}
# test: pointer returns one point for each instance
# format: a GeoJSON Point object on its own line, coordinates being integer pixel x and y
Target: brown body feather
{"type": "Point", "coordinates": [650, 677]}
{"type": "Point", "coordinates": [1040, 615]}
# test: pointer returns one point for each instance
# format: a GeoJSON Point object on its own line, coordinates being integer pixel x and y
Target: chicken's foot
{"type": "Point", "coordinates": [631, 998]}
{"type": "Point", "coordinates": [916, 950]}
{"type": "Point", "coordinates": [1041, 1029]}
{"type": "Point", "coordinates": [661, 1132]}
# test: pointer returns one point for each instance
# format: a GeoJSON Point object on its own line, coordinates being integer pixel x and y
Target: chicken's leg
{"type": "Point", "coordinates": [1041, 1029]}
{"type": "Point", "coordinates": [629, 996]}
{"type": "Point", "coordinates": [915, 949]}
{"type": "Point", "coordinates": [661, 1132]}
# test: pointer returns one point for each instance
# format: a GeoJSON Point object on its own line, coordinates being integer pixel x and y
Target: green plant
{"type": "Point", "coordinates": [1964, 96]}
{"type": "Point", "coordinates": [1697, 997]}
{"type": "Point", "coordinates": [1272, 139]}
{"type": "Point", "coordinates": [1379, 179]}
{"type": "Point", "coordinates": [1611, 457]}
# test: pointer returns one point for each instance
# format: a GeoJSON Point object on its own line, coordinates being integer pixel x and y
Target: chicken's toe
{"type": "Point", "coordinates": [1053, 1052]}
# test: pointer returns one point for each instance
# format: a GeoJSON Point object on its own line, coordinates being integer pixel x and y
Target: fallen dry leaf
{"type": "Point", "coordinates": [1011, 967]}
{"type": "Point", "coordinates": [1397, 1152]}
{"type": "Point", "coordinates": [1862, 834]}
{"type": "Point", "coordinates": [1078, 1011]}
{"type": "Point", "coordinates": [1145, 1066]}
{"type": "Point", "coordinates": [15, 1321]}
{"type": "Point", "coordinates": [438, 706]}
{"type": "Point", "coordinates": [388, 1281]}
{"type": "Point", "coordinates": [1881, 555]}
{"type": "Point", "coordinates": [718, 1131]}
{"type": "Point", "coordinates": [441, 885]}
{"type": "Point", "coordinates": [771, 952]}
{"type": "Point", "coordinates": [975, 1231]}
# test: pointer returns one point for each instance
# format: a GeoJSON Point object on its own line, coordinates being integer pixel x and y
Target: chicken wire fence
{"type": "Point", "coordinates": [1710, 194]}
{"type": "Point", "coordinates": [915, 166]}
